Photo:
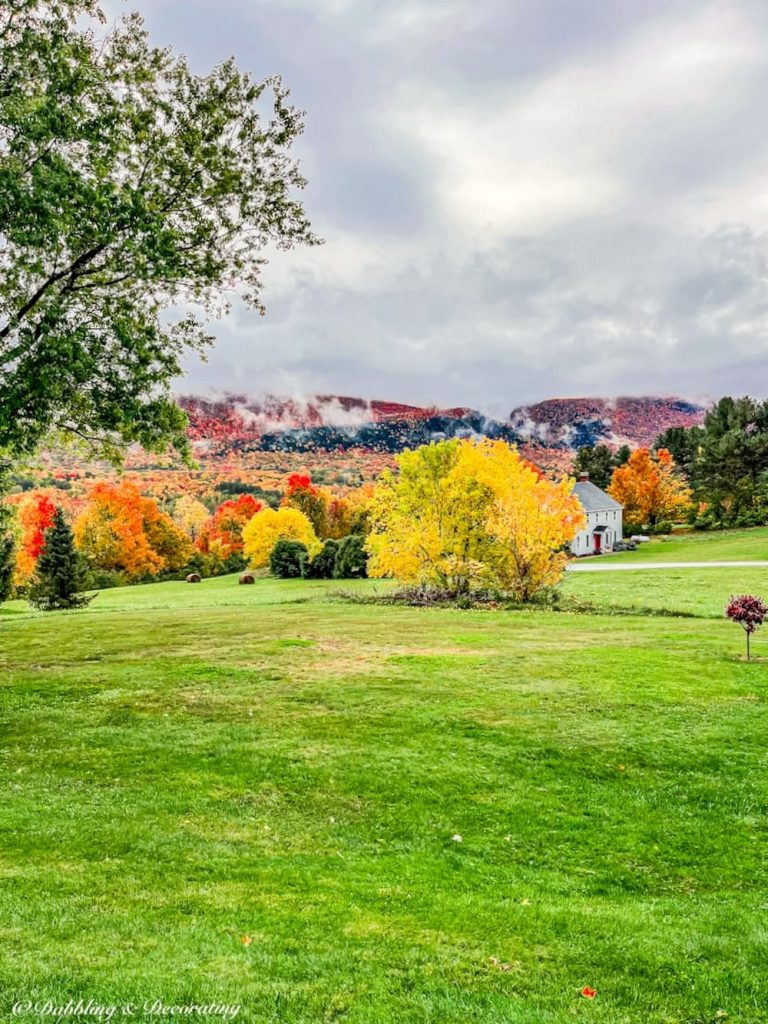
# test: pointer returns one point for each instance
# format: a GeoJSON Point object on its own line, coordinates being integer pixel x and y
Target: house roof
{"type": "Point", "coordinates": [593, 499]}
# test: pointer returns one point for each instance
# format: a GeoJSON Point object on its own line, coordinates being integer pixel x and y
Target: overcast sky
{"type": "Point", "coordinates": [521, 199]}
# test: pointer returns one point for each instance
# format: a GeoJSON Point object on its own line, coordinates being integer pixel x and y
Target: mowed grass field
{"type": "Point", "coordinates": [706, 546]}
{"type": "Point", "coordinates": [254, 795]}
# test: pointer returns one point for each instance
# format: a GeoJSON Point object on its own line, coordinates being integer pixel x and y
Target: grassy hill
{"type": "Point", "coordinates": [255, 795]}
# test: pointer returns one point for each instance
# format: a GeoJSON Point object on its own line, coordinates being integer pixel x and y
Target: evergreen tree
{"type": "Point", "coordinates": [599, 462]}
{"type": "Point", "coordinates": [7, 546]}
{"type": "Point", "coordinates": [60, 574]}
{"type": "Point", "coordinates": [622, 456]}
{"type": "Point", "coordinates": [685, 445]}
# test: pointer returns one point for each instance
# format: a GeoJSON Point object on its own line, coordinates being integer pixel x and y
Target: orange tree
{"type": "Point", "coordinates": [223, 533]}
{"type": "Point", "coordinates": [165, 538]}
{"type": "Point", "coordinates": [649, 488]}
{"type": "Point", "coordinates": [34, 516]}
{"type": "Point", "coordinates": [121, 531]}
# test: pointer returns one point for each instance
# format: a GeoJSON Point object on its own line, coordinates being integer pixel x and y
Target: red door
{"type": "Point", "coordinates": [598, 542]}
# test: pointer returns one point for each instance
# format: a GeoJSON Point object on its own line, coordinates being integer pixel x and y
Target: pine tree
{"type": "Point", "coordinates": [7, 546]}
{"type": "Point", "coordinates": [7, 549]}
{"type": "Point", "coordinates": [60, 574]}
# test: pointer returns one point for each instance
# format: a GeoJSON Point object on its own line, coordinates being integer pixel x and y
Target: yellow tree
{"type": "Point", "coordinates": [428, 521]}
{"type": "Point", "coordinates": [533, 519]}
{"type": "Point", "coordinates": [190, 515]}
{"type": "Point", "coordinates": [269, 526]}
{"type": "Point", "coordinates": [649, 488]}
{"type": "Point", "coordinates": [462, 513]}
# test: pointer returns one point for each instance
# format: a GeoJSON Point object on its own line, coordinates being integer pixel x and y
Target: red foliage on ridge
{"type": "Point", "coordinates": [238, 417]}
{"type": "Point", "coordinates": [633, 421]}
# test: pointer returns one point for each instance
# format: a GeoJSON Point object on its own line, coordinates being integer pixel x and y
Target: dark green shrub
{"type": "Point", "coordinates": [705, 521]}
{"type": "Point", "coordinates": [323, 565]}
{"type": "Point", "coordinates": [288, 559]}
{"type": "Point", "coordinates": [105, 579]}
{"type": "Point", "coordinates": [207, 565]}
{"type": "Point", "coordinates": [752, 517]}
{"type": "Point", "coordinates": [201, 564]}
{"type": "Point", "coordinates": [352, 558]}
{"type": "Point", "coordinates": [235, 562]}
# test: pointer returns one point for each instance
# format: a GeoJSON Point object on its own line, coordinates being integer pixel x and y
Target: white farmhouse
{"type": "Point", "coordinates": [604, 519]}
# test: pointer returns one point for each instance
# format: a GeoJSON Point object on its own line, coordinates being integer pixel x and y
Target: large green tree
{"type": "Point", "coordinates": [726, 459]}
{"type": "Point", "coordinates": [685, 444]}
{"type": "Point", "coordinates": [135, 199]}
{"type": "Point", "coordinates": [599, 461]}
{"type": "Point", "coordinates": [7, 548]}
{"type": "Point", "coordinates": [731, 470]}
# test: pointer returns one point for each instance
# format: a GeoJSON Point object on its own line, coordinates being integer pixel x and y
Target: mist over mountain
{"type": "Point", "coordinates": [238, 422]}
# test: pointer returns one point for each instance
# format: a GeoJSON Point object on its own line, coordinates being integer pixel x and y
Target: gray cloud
{"type": "Point", "coordinates": [520, 200]}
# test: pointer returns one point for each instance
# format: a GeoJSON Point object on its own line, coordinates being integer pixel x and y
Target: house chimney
{"type": "Point", "coordinates": [583, 478]}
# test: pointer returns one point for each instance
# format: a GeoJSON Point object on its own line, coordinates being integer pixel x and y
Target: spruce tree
{"type": "Point", "coordinates": [7, 549]}
{"type": "Point", "coordinates": [7, 546]}
{"type": "Point", "coordinates": [60, 574]}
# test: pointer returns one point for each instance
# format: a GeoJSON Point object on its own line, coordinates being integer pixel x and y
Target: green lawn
{"type": "Point", "coordinates": [714, 546]}
{"type": "Point", "coordinates": [185, 766]}
{"type": "Point", "coordinates": [703, 592]}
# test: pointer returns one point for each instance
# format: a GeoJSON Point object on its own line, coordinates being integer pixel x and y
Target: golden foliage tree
{"type": "Point", "coordinates": [532, 519]}
{"type": "Point", "coordinates": [649, 488]}
{"type": "Point", "coordinates": [269, 526]}
{"type": "Point", "coordinates": [190, 515]}
{"type": "Point", "coordinates": [165, 538]}
{"type": "Point", "coordinates": [427, 522]}
{"type": "Point", "coordinates": [461, 514]}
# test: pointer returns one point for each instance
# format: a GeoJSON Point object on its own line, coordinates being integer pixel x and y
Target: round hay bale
{"type": "Point", "coordinates": [247, 577]}
{"type": "Point", "coordinates": [194, 578]}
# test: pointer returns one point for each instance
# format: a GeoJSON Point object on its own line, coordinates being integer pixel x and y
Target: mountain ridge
{"type": "Point", "coordinates": [236, 421]}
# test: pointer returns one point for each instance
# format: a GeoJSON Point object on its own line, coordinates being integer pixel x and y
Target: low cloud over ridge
{"type": "Point", "coordinates": [556, 199]}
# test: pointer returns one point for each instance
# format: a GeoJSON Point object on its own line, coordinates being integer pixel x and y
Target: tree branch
{"type": "Point", "coordinates": [71, 271]}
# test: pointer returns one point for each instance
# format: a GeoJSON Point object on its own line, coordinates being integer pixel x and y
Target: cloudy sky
{"type": "Point", "coordinates": [521, 199]}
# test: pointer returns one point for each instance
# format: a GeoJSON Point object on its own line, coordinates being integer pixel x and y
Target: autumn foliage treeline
{"type": "Point", "coordinates": [457, 516]}
{"type": "Point", "coordinates": [711, 475]}
{"type": "Point", "coordinates": [125, 536]}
